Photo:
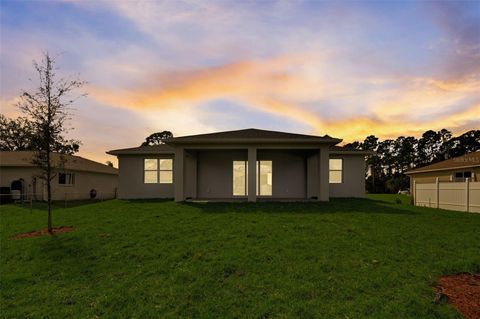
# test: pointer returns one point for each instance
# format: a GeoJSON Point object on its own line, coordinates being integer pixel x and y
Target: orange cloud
{"type": "Point", "coordinates": [392, 107]}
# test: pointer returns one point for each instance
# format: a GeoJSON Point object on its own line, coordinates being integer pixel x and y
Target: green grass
{"type": "Point", "coordinates": [350, 258]}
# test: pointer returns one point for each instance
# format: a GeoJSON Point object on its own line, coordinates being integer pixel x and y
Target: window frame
{"type": "Point", "coordinates": [245, 165]}
{"type": "Point", "coordinates": [336, 170]}
{"type": "Point", "coordinates": [462, 178]}
{"type": "Point", "coordinates": [69, 182]}
{"type": "Point", "coordinates": [158, 170]}
{"type": "Point", "coordinates": [257, 178]}
{"type": "Point", "coordinates": [257, 175]}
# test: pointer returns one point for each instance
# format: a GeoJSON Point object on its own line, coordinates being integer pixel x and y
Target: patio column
{"type": "Point", "coordinates": [252, 176]}
{"type": "Point", "coordinates": [179, 174]}
{"type": "Point", "coordinates": [323, 175]}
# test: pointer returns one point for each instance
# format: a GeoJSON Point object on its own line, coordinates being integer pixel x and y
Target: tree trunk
{"type": "Point", "coordinates": [49, 199]}
{"type": "Point", "coordinates": [49, 193]}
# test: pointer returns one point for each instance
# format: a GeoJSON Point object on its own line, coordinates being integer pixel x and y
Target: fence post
{"type": "Point", "coordinates": [467, 194]}
{"type": "Point", "coordinates": [65, 200]}
{"type": "Point", "coordinates": [414, 192]}
{"type": "Point", "coordinates": [437, 189]}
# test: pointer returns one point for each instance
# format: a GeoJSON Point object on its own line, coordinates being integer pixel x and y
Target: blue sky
{"type": "Point", "coordinates": [347, 69]}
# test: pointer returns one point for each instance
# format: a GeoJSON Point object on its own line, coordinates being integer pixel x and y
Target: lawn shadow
{"type": "Point", "coordinates": [71, 255]}
{"type": "Point", "coordinates": [57, 205]}
{"type": "Point", "coordinates": [334, 206]}
{"type": "Point", "coordinates": [147, 200]}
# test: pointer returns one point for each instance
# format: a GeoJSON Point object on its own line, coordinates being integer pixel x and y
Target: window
{"type": "Point", "coordinates": [240, 178]}
{"type": "Point", "coordinates": [263, 177]}
{"type": "Point", "coordinates": [66, 178]}
{"type": "Point", "coordinates": [158, 171]}
{"type": "Point", "coordinates": [462, 176]}
{"type": "Point", "coordinates": [166, 171]}
{"type": "Point", "coordinates": [335, 170]}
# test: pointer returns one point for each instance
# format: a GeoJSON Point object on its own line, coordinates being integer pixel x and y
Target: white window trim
{"type": "Point", "coordinates": [257, 177]}
{"type": "Point", "coordinates": [336, 170]}
{"type": "Point", "coordinates": [164, 170]}
{"type": "Point", "coordinates": [66, 185]}
{"type": "Point", "coordinates": [158, 170]}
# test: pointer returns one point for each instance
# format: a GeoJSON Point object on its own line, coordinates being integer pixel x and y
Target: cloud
{"type": "Point", "coordinates": [322, 67]}
{"type": "Point", "coordinates": [275, 86]}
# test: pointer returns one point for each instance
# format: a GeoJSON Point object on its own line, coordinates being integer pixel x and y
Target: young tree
{"type": "Point", "coordinates": [157, 138]}
{"type": "Point", "coordinates": [48, 109]}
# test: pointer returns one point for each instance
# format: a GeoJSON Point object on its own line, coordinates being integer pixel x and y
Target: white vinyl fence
{"type": "Point", "coordinates": [462, 196]}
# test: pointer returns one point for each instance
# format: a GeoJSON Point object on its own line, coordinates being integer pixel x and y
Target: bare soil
{"type": "Point", "coordinates": [463, 292]}
{"type": "Point", "coordinates": [43, 232]}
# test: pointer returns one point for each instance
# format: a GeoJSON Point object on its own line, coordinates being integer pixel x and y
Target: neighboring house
{"type": "Point", "coordinates": [246, 164]}
{"type": "Point", "coordinates": [450, 184]}
{"type": "Point", "coordinates": [76, 178]}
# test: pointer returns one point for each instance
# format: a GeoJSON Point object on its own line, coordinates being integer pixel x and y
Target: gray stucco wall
{"type": "Point", "coordinates": [215, 176]}
{"type": "Point", "coordinates": [131, 185]}
{"type": "Point", "coordinates": [208, 175]}
{"type": "Point", "coordinates": [214, 170]}
{"type": "Point", "coordinates": [289, 178]}
{"type": "Point", "coordinates": [353, 184]}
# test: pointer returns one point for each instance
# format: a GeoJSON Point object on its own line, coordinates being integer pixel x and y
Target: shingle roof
{"type": "Point", "coordinates": [465, 161]}
{"type": "Point", "coordinates": [146, 150]}
{"type": "Point", "coordinates": [252, 134]}
{"type": "Point", "coordinates": [76, 163]}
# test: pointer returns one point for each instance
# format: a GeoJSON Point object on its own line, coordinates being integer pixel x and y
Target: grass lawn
{"type": "Point", "coordinates": [350, 258]}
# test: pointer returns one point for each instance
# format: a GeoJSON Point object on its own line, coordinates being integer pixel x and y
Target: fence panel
{"type": "Point", "coordinates": [461, 196]}
{"type": "Point", "coordinates": [426, 195]}
{"type": "Point", "coordinates": [474, 197]}
{"type": "Point", "coordinates": [452, 196]}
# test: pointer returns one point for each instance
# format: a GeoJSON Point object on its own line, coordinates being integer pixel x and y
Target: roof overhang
{"type": "Point", "coordinates": [143, 152]}
{"type": "Point", "coordinates": [440, 169]}
{"type": "Point", "coordinates": [186, 140]}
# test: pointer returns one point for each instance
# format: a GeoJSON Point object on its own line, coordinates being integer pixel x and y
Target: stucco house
{"type": "Point", "coordinates": [75, 177]}
{"type": "Point", "coordinates": [456, 169]}
{"type": "Point", "coordinates": [451, 184]}
{"type": "Point", "coordinates": [249, 164]}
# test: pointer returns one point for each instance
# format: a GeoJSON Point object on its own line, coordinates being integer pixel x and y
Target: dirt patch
{"type": "Point", "coordinates": [43, 232]}
{"type": "Point", "coordinates": [463, 292]}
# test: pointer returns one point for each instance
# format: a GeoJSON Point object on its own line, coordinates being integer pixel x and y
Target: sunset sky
{"type": "Point", "coordinates": [347, 69]}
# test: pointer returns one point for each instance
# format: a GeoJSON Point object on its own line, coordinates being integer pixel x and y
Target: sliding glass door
{"type": "Point", "coordinates": [263, 178]}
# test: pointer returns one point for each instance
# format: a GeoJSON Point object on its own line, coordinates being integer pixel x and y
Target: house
{"type": "Point", "coordinates": [450, 184]}
{"type": "Point", "coordinates": [456, 169]}
{"type": "Point", "coordinates": [75, 180]}
{"type": "Point", "coordinates": [247, 164]}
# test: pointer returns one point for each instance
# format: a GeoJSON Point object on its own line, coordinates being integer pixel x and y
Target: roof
{"type": "Point", "coordinates": [74, 163]}
{"type": "Point", "coordinates": [342, 150]}
{"type": "Point", "coordinates": [252, 135]}
{"type": "Point", "coordinates": [466, 161]}
{"type": "Point", "coordinates": [144, 150]}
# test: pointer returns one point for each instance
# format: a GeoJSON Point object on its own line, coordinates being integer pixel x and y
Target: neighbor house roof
{"type": "Point", "coordinates": [465, 161]}
{"type": "Point", "coordinates": [252, 135]}
{"type": "Point", "coordinates": [75, 163]}
{"type": "Point", "coordinates": [144, 150]}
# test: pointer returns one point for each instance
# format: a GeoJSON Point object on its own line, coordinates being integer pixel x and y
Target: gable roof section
{"type": "Point", "coordinates": [465, 161]}
{"type": "Point", "coordinates": [251, 135]}
{"type": "Point", "coordinates": [144, 150]}
{"type": "Point", "coordinates": [75, 163]}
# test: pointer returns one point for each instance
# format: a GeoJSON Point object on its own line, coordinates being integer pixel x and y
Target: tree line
{"type": "Point", "coordinates": [393, 157]}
